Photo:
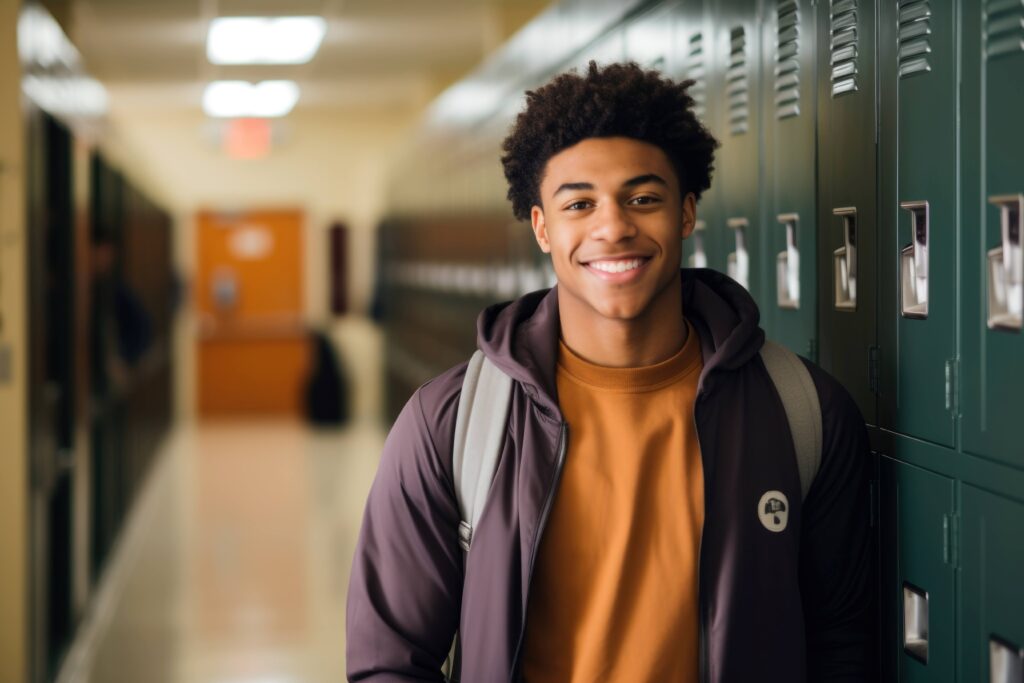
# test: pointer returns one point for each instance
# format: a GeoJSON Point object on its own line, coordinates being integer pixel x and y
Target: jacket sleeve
{"type": "Point", "coordinates": [404, 593]}
{"type": "Point", "coordinates": [837, 567]}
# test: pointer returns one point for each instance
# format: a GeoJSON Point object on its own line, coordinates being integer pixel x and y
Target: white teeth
{"type": "Point", "coordinates": [615, 266]}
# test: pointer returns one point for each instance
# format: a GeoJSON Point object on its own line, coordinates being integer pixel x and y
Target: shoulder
{"type": "Point", "coordinates": [837, 405]}
{"type": "Point", "coordinates": [437, 400]}
{"type": "Point", "coordinates": [422, 435]}
{"type": "Point", "coordinates": [844, 440]}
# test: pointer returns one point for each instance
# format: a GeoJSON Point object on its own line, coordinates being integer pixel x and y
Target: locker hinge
{"type": "Point", "coordinates": [812, 350]}
{"type": "Point", "coordinates": [873, 354]}
{"type": "Point", "coordinates": [952, 386]}
{"type": "Point", "coordinates": [951, 540]}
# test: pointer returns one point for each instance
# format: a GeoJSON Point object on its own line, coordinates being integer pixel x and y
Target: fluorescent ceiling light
{"type": "Point", "coordinates": [267, 99]}
{"type": "Point", "coordinates": [264, 40]}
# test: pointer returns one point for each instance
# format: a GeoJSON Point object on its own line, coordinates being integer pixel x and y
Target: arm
{"type": "Point", "coordinates": [404, 593]}
{"type": "Point", "coordinates": [837, 558]}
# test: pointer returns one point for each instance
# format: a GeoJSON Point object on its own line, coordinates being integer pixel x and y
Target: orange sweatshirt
{"type": "Point", "coordinates": [614, 591]}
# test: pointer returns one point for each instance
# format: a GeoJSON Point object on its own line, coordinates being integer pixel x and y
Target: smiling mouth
{"type": "Point", "coordinates": [616, 265]}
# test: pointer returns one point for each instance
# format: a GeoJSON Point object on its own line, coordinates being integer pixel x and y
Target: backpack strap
{"type": "Point", "coordinates": [480, 426]}
{"type": "Point", "coordinates": [803, 409]}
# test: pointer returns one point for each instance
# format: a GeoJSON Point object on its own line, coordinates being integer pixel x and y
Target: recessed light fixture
{"type": "Point", "coordinates": [267, 99]}
{"type": "Point", "coordinates": [264, 40]}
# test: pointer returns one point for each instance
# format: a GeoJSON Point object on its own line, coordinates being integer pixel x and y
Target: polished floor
{"type": "Point", "coordinates": [235, 565]}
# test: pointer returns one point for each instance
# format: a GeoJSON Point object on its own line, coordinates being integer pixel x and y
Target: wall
{"type": "Point", "coordinates": [13, 324]}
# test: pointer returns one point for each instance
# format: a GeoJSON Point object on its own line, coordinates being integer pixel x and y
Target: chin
{"type": "Point", "coordinates": [620, 311]}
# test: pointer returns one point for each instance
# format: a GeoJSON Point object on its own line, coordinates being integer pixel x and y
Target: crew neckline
{"type": "Point", "coordinates": [638, 379]}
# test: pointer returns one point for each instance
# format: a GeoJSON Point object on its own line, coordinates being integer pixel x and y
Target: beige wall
{"type": "Point", "coordinates": [333, 165]}
{"type": "Point", "coordinates": [13, 417]}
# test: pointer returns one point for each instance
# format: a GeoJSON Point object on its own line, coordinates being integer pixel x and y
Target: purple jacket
{"type": "Point", "coordinates": [789, 606]}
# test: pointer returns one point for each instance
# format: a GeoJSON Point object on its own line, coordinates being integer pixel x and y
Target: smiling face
{"type": "Point", "coordinates": [613, 219]}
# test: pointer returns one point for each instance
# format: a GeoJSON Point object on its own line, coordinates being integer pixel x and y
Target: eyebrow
{"type": "Point", "coordinates": [632, 182]}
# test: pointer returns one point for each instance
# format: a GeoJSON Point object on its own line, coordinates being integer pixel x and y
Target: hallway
{"type": "Point", "coordinates": [235, 564]}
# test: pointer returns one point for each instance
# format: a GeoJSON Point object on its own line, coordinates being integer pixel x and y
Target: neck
{"type": "Point", "coordinates": [656, 335]}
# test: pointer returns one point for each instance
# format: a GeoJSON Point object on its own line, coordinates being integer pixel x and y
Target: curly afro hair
{"type": "Point", "coordinates": [617, 100]}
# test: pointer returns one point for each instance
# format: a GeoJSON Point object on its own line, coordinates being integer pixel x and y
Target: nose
{"type": "Point", "coordinates": [612, 223]}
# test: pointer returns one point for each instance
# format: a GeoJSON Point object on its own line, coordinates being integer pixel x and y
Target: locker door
{"type": "Point", "coordinates": [993, 204]}
{"type": "Point", "coordinates": [51, 389]}
{"type": "Point", "coordinates": [789, 308]}
{"type": "Point", "coordinates": [847, 241]}
{"type": "Point", "coordinates": [918, 227]}
{"type": "Point", "coordinates": [917, 574]}
{"type": "Point", "coordinates": [705, 248]}
{"type": "Point", "coordinates": [737, 50]}
{"type": "Point", "coordinates": [649, 40]}
{"type": "Point", "coordinates": [992, 601]}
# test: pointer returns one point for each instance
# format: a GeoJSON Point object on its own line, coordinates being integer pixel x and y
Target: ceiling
{"type": "Point", "coordinates": [377, 54]}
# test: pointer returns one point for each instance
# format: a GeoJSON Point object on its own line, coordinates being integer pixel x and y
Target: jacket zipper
{"type": "Point", "coordinates": [562, 438]}
{"type": "Point", "coordinates": [702, 641]}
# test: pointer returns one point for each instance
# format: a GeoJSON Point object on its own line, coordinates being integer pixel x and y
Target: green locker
{"type": "Point", "coordinates": [992, 588]}
{"type": "Point", "coordinates": [918, 586]}
{"type": "Point", "coordinates": [993, 202]}
{"type": "Point", "coordinates": [789, 306]}
{"type": "Point", "coordinates": [918, 218]}
{"type": "Point", "coordinates": [736, 91]}
{"type": "Point", "coordinates": [847, 239]}
{"type": "Point", "coordinates": [693, 38]}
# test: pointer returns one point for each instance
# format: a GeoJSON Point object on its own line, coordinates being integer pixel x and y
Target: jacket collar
{"type": "Point", "coordinates": [521, 337]}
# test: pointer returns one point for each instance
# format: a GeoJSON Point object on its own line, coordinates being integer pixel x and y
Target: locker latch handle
{"type": "Point", "coordinates": [787, 269]}
{"type": "Point", "coordinates": [915, 622]}
{"type": "Point", "coordinates": [844, 262]}
{"type": "Point", "coordinates": [914, 262]}
{"type": "Point", "coordinates": [738, 266]}
{"type": "Point", "coordinates": [1006, 267]}
{"type": "Point", "coordinates": [1005, 661]}
{"type": "Point", "coordinates": [699, 257]}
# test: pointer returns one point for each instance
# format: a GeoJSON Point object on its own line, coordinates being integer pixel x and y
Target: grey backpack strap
{"type": "Point", "coordinates": [803, 409]}
{"type": "Point", "coordinates": [479, 434]}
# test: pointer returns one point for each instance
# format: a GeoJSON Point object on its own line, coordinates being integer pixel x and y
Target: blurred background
{"type": "Point", "coordinates": [236, 235]}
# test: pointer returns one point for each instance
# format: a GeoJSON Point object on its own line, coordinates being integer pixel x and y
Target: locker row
{"type": "Point", "coordinates": [868, 193]}
{"type": "Point", "coordinates": [101, 300]}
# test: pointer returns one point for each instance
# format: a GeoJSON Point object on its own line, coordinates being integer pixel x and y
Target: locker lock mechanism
{"type": "Point", "coordinates": [787, 268]}
{"type": "Point", "coordinates": [915, 622]}
{"type": "Point", "coordinates": [844, 262]}
{"type": "Point", "coordinates": [699, 257]}
{"type": "Point", "coordinates": [1006, 267]}
{"type": "Point", "coordinates": [738, 267]}
{"type": "Point", "coordinates": [914, 263]}
{"type": "Point", "coordinates": [1005, 661]}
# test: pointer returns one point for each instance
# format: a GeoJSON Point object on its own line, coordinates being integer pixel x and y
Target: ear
{"type": "Point", "coordinates": [689, 214]}
{"type": "Point", "coordinates": [540, 230]}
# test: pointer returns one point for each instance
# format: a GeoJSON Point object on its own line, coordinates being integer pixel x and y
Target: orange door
{"type": "Point", "coordinates": [253, 351]}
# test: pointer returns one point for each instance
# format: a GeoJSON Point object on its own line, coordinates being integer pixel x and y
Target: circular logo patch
{"type": "Point", "coordinates": [773, 509]}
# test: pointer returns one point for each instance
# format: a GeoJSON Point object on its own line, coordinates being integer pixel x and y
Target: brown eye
{"type": "Point", "coordinates": [644, 200]}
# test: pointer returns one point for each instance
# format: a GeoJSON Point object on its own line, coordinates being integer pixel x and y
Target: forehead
{"type": "Point", "coordinates": [607, 160]}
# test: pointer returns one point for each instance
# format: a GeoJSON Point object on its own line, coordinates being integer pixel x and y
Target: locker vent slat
{"type": "Point", "coordinates": [915, 37]}
{"type": "Point", "coordinates": [738, 82]}
{"type": "Point", "coordinates": [695, 69]}
{"type": "Point", "coordinates": [843, 46]}
{"type": "Point", "coordinates": [1004, 27]}
{"type": "Point", "coordinates": [787, 61]}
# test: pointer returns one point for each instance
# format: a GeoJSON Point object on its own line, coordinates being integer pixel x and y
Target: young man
{"type": "Point", "coordinates": [626, 535]}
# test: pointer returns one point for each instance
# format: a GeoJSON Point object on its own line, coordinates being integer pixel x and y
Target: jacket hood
{"type": "Point", "coordinates": [521, 336]}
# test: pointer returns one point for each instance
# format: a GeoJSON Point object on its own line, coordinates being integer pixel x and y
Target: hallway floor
{"type": "Point", "coordinates": [235, 566]}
